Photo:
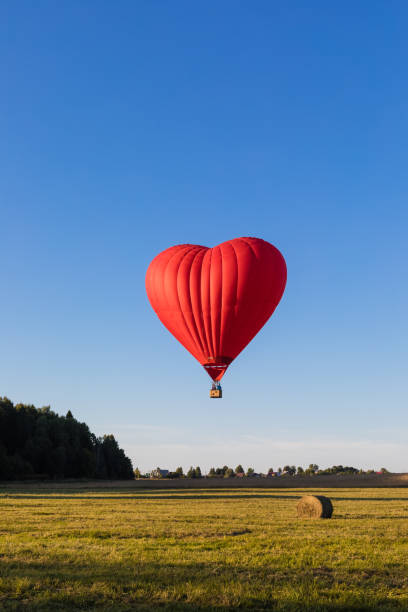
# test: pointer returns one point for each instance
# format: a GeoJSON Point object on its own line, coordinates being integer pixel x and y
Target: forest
{"type": "Point", "coordinates": [38, 443]}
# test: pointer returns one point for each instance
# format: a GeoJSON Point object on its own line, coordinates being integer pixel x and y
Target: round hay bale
{"type": "Point", "coordinates": [314, 506]}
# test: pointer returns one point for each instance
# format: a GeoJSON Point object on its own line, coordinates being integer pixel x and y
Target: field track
{"type": "Point", "coordinates": [292, 482]}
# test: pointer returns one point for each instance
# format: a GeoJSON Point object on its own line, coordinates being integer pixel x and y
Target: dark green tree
{"type": "Point", "coordinates": [38, 442]}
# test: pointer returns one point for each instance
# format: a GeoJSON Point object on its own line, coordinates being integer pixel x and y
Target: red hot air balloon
{"type": "Point", "coordinates": [214, 301]}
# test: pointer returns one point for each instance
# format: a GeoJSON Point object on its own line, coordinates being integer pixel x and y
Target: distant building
{"type": "Point", "coordinates": [158, 473]}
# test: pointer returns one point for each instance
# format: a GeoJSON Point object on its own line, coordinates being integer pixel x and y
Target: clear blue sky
{"type": "Point", "coordinates": [129, 127]}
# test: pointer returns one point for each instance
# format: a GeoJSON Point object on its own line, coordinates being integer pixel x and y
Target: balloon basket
{"type": "Point", "coordinates": [216, 391]}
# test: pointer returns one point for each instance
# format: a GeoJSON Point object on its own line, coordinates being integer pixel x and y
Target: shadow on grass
{"type": "Point", "coordinates": [369, 499]}
{"type": "Point", "coordinates": [142, 497]}
{"type": "Point", "coordinates": [281, 605]}
{"type": "Point", "coordinates": [131, 585]}
{"type": "Point", "coordinates": [183, 497]}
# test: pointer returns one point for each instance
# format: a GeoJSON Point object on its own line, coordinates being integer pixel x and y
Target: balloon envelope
{"type": "Point", "coordinates": [215, 300]}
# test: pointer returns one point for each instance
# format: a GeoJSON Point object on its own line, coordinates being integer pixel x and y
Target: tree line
{"type": "Point", "coordinates": [38, 443]}
{"type": "Point", "coordinates": [227, 472]}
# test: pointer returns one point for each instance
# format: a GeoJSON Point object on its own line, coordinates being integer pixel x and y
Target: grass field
{"type": "Point", "coordinates": [201, 550]}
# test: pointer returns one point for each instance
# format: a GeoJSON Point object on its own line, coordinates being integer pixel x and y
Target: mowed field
{"type": "Point", "coordinates": [223, 549]}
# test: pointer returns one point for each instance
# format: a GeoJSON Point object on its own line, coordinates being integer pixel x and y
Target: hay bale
{"type": "Point", "coordinates": [315, 506]}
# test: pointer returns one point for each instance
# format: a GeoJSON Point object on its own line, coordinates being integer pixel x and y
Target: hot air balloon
{"type": "Point", "coordinates": [215, 300]}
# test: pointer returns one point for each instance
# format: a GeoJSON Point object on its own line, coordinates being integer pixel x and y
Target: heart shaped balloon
{"type": "Point", "coordinates": [214, 301]}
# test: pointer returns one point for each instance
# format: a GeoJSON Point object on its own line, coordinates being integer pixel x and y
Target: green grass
{"type": "Point", "coordinates": [202, 550]}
